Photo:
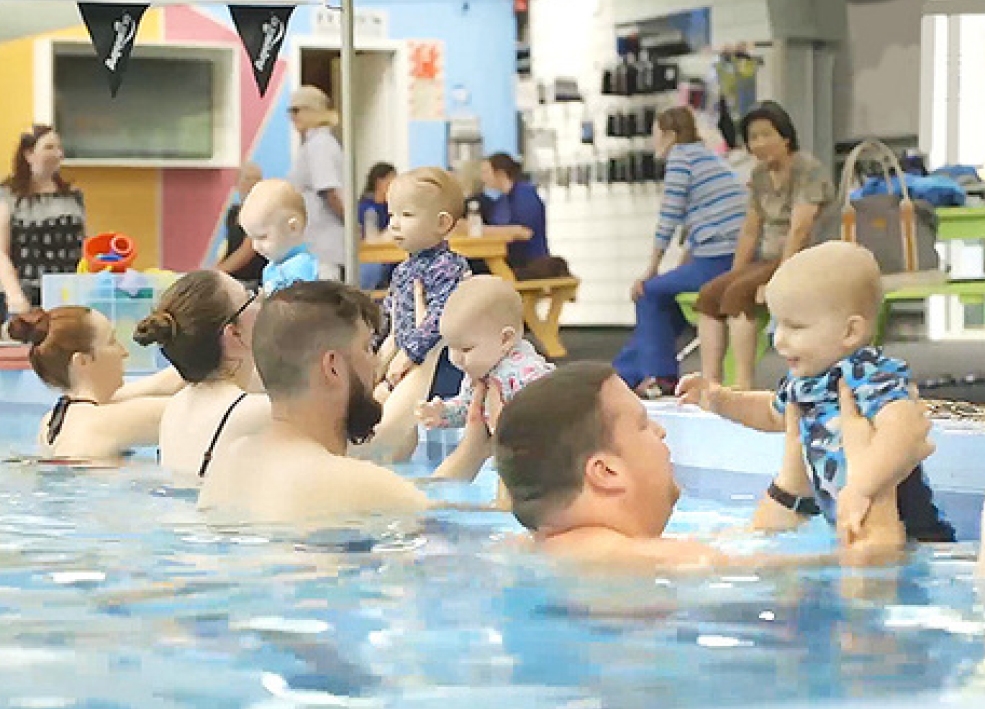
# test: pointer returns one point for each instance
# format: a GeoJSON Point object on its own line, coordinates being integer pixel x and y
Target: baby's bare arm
{"type": "Point", "coordinates": [751, 408]}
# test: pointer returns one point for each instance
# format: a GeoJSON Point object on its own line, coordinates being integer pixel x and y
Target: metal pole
{"type": "Point", "coordinates": [349, 147]}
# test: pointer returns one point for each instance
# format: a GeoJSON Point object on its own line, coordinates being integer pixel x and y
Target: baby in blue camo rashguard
{"type": "Point", "coordinates": [825, 302]}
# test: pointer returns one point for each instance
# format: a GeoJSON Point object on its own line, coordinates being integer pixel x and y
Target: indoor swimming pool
{"type": "Point", "coordinates": [114, 593]}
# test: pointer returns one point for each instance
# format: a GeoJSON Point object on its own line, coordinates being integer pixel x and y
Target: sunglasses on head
{"type": "Point", "coordinates": [254, 293]}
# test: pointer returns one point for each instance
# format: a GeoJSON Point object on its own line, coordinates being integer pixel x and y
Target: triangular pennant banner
{"type": "Point", "coordinates": [113, 29]}
{"type": "Point", "coordinates": [262, 30]}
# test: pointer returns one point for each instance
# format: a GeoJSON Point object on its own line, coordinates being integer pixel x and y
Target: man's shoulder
{"type": "Point", "coordinates": [599, 545]}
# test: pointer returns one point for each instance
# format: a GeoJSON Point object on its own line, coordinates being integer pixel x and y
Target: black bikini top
{"type": "Point", "coordinates": [57, 419]}
{"type": "Point", "coordinates": [207, 458]}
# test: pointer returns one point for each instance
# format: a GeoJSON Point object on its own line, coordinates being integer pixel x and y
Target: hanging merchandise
{"type": "Point", "coordinates": [736, 72]}
{"type": "Point", "coordinates": [726, 126]}
{"type": "Point", "coordinates": [113, 29]}
{"type": "Point", "coordinates": [262, 30]}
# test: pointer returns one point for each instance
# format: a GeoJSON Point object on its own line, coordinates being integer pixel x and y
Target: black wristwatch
{"type": "Point", "coordinates": [801, 505]}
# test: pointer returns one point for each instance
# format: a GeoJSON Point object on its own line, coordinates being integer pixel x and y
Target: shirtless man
{"type": "Point", "coordinates": [312, 344]}
{"type": "Point", "coordinates": [590, 474]}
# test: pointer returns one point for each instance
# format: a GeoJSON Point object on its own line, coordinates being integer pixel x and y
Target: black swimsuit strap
{"type": "Point", "coordinates": [57, 419]}
{"type": "Point", "coordinates": [207, 458]}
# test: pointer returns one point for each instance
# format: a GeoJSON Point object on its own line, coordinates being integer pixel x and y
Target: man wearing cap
{"type": "Point", "coordinates": [317, 174]}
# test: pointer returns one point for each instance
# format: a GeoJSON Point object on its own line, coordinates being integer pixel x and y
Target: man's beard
{"type": "Point", "coordinates": [364, 412]}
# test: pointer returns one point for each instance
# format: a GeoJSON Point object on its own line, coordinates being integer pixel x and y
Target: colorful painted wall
{"type": "Point", "coordinates": [176, 215]}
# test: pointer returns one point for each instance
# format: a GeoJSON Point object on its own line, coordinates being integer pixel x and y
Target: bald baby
{"type": "Point", "coordinates": [845, 276]}
{"type": "Point", "coordinates": [274, 217]}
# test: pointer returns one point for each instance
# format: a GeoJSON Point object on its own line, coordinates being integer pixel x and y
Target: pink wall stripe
{"type": "Point", "coordinates": [194, 202]}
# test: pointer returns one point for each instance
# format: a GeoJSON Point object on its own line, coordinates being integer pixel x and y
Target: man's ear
{"type": "Point", "coordinates": [332, 366]}
{"type": "Point", "coordinates": [445, 222]}
{"type": "Point", "coordinates": [604, 473]}
{"type": "Point", "coordinates": [80, 359]}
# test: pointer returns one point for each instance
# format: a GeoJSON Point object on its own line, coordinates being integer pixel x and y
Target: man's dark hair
{"type": "Point", "coordinates": [545, 435]}
{"type": "Point", "coordinates": [504, 162]}
{"type": "Point", "coordinates": [298, 324]}
{"type": "Point", "coordinates": [774, 113]}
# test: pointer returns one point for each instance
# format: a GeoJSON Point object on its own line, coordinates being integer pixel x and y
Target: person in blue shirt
{"type": "Point", "coordinates": [375, 275]}
{"type": "Point", "coordinates": [274, 217]}
{"type": "Point", "coordinates": [519, 204]}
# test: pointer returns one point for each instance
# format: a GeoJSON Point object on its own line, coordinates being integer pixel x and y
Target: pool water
{"type": "Point", "coordinates": [114, 593]}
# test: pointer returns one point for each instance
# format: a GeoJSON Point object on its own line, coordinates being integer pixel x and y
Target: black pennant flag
{"type": "Point", "coordinates": [113, 29]}
{"type": "Point", "coordinates": [262, 29]}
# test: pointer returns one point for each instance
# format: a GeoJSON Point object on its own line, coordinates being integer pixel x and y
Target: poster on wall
{"type": "Point", "coordinates": [262, 29]}
{"type": "Point", "coordinates": [427, 79]}
{"type": "Point", "coordinates": [113, 29]}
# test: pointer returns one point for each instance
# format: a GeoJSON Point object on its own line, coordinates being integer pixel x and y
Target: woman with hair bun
{"type": "Point", "coordinates": [75, 350]}
{"type": "Point", "coordinates": [204, 326]}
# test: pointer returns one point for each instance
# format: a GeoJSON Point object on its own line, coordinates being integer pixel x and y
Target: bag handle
{"type": "Point", "coordinates": [908, 217]}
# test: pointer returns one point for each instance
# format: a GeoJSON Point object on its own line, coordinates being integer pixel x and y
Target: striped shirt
{"type": "Point", "coordinates": [702, 193]}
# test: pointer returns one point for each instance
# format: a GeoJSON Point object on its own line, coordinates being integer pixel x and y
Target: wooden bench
{"type": "Point", "coordinates": [557, 291]}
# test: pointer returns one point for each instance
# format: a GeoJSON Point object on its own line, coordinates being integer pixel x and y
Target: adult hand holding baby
{"type": "Point", "coordinates": [857, 433]}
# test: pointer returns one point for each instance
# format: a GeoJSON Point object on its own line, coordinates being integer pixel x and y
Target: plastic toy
{"type": "Point", "coordinates": [109, 251]}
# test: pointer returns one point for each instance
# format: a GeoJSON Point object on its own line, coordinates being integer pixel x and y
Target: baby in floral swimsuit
{"type": "Point", "coordinates": [483, 327]}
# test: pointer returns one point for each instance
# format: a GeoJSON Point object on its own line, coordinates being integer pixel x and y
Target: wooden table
{"type": "Point", "coordinates": [491, 247]}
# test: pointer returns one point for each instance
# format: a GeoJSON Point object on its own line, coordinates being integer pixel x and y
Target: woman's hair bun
{"type": "Point", "coordinates": [30, 327]}
{"type": "Point", "coordinates": [159, 327]}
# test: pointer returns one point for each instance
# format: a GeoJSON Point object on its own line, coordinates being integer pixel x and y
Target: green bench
{"type": "Point", "coordinates": [965, 223]}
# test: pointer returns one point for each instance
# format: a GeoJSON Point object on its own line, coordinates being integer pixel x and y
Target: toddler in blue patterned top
{"type": "Point", "coordinates": [825, 302]}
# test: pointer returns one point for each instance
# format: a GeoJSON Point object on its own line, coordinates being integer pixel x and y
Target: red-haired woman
{"type": "Point", "coordinates": [42, 220]}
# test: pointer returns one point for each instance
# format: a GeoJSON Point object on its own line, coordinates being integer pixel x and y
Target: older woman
{"type": "Point", "coordinates": [702, 194]}
{"type": "Point", "coordinates": [318, 174]}
{"type": "Point", "coordinates": [42, 220]}
{"type": "Point", "coordinates": [204, 325]}
{"type": "Point", "coordinates": [789, 192]}
{"type": "Point", "coordinates": [75, 350]}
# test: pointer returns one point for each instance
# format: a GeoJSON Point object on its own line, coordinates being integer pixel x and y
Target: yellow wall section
{"type": "Point", "coordinates": [117, 199]}
{"type": "Point", "coordinates": [17, 80]}
{"type": "Point", "coordinates": [124, 200]}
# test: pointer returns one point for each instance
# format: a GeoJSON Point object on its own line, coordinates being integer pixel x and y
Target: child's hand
{"type": "Point", "coordinates": [431, 413]}
{"type": "Point", "coordinates": [695, 389]}
{"type": "Point", "coordinates": [399, 366]}
{"type": "Point", "coordinates": [420, 303]}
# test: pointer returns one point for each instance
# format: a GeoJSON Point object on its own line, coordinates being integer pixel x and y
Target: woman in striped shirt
{"type": "Point", "coordinates": [702, 194]}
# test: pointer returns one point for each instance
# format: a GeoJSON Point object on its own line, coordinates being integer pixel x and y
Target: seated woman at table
{"type": "Point", "coordinates": [519, 204]}
{"type": "Point", "coordinates": [372, 210]}
{"type": "Point", "coordinates": [75, 350]}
